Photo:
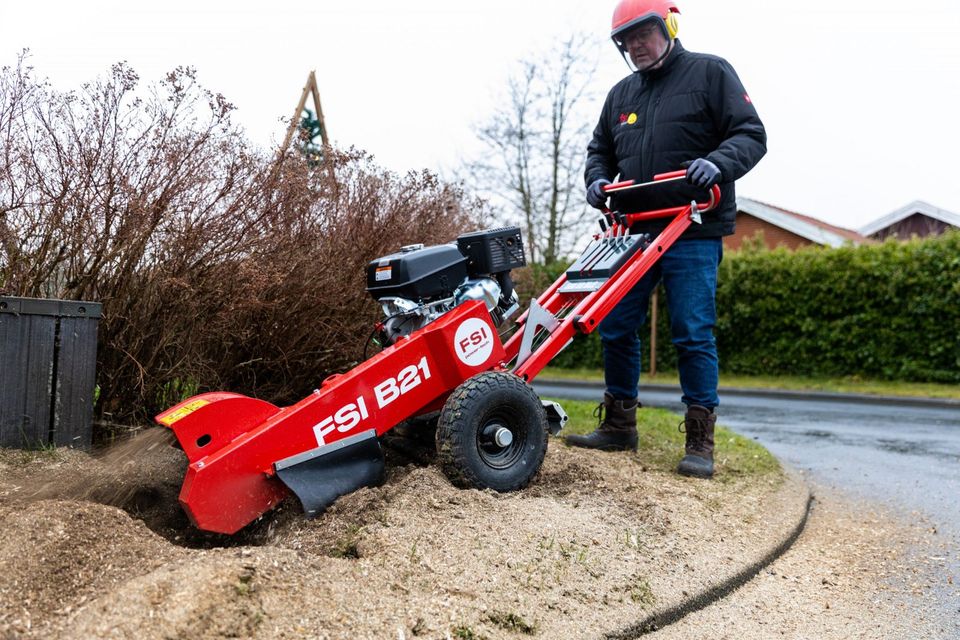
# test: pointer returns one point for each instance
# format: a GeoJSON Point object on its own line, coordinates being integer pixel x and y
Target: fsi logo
{"type": "Point", "coordinates": [473, 342]}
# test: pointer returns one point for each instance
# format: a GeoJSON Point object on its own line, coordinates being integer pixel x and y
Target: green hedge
{"type": "Point", "coordinates": [888, 311]}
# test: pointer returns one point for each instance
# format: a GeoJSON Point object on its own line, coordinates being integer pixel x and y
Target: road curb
{"type": "Point", "coordinates": [912, 401]}
{"type": "Point", "coordinates": [670, 615]}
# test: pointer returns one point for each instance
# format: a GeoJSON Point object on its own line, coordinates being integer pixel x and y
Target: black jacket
{"type": "Point", "coordinates": [693, 106]}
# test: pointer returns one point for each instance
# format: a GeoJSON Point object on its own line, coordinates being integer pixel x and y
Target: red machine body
{"type": "Point", "coordinates": [233, 441]}
{"type": "Point", "coordinates": [236, 444]}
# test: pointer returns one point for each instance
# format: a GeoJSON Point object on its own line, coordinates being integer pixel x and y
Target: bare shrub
{"type": "Point", "coordinates": [219, 265]}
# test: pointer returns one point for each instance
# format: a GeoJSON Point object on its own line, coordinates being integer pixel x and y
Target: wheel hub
{"type": "Point", "coordinates": [498, 444]}
{"type": "Point", "coordinates": [496, 436]}
{"type": "Point", "coordinates": [503, 437]}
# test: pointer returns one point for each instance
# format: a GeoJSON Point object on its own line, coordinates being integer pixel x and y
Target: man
{"type": "Point", "coordinates": [676, 110]}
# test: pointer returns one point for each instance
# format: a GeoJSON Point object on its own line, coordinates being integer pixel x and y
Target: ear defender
{"type": "Point", "coordinates": [673, 25]}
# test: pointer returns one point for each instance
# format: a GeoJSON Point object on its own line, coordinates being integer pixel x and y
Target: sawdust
{"type": "Point", "coordinates": [58, 555]}
{"type": "Point", "coordinates": [116, 476]}
{"type": "Point", "coordinates": [96, 546]}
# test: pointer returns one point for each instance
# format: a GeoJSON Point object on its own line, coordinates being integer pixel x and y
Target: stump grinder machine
{"type": "Point", "coordinates": [443, 360]}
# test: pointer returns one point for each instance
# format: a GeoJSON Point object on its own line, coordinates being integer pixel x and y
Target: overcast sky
{"type": "Point", "coordinates": [860, 97]}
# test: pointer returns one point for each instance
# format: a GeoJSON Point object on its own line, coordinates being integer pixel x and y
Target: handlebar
{"type": "Point", "coordinates": [662, 178]}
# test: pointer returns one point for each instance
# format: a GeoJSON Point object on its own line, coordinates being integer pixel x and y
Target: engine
{"type": "Point", "coordinates": [419, 284]}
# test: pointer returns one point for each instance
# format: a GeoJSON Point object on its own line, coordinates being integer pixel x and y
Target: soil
{"type": "Point", "coordinates": [97, 546]}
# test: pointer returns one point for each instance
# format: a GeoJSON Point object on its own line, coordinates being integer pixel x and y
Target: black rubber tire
{"type": "Point", "coordinates": [485, 403]}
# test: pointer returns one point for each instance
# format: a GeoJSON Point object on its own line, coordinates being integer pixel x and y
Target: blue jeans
{"type": "Point", "coordinates": [689, 273]}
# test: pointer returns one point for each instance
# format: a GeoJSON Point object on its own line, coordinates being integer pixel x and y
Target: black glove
{"type": "Point", "coordinates": [703, 173]}
{"type": "Point", "coordinates": [596, 198]}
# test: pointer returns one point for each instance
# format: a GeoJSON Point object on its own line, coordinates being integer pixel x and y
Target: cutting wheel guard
{"type": "Point", "coordinates": [246, 455]}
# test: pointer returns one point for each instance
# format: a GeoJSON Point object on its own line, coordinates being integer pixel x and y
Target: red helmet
{"type": "Point", "coordinates": [630, 13]}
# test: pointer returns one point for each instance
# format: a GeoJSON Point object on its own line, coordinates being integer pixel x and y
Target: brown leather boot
{"type": "Point", "coordinates": [698, 424]}
{"type": "Point", "coordinates": [617, 430]}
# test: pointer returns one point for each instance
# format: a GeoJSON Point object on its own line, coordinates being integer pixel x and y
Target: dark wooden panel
{"type": "Point", "coordinates": [76, 379]}
{"type": "Point", "coordinates": [26, 352]}
{"type": "Point", "coordinates": [48, 355]}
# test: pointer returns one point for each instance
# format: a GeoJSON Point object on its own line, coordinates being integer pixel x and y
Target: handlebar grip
{"type": "Point", "coordinates": [628, 185]}
{"type": "Point", "coordinates": [617, 185]}
{"type": "Point", "coordinates": [680, 173]}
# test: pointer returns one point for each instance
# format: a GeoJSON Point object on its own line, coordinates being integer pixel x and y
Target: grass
{"type": "Point", "coordinates": [512, 622]}
{"type": "Point", "coordinates": [346, 546]}
{"type": "Point", "coordinates": [845, 384]}
{"type": "Point", "coordinates": [641, 593]}
{"type": "Point", "coordinates": [661, 442]}
{"type": "Point", "coordinates": [466, 633]}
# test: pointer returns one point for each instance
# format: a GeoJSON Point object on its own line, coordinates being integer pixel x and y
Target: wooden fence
{"type": "Point", "coordinates": [48, 356]}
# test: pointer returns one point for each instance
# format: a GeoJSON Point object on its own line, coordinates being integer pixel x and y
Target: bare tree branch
{"type": "Point", "coordinates": [536, 149]}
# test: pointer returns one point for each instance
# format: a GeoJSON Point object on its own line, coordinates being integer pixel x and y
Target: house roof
{"type": "Point", "coordinates": [917, 206]}
{"type": "Point", "coordinates": [814, 230]}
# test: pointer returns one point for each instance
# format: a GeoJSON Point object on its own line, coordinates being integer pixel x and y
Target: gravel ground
{"type": "Point", "coordinates": [856, 572]}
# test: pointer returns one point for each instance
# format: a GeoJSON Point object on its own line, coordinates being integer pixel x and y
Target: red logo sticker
{"type": "Point", "coordinates": [473, 342]}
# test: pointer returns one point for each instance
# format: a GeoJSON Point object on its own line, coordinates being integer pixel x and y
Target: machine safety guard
{"type": "Point", "coordinates": [245, 455]}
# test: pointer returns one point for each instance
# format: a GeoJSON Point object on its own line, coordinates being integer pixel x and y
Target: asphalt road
{"type": "Point", "coordinates": [902, 454]}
